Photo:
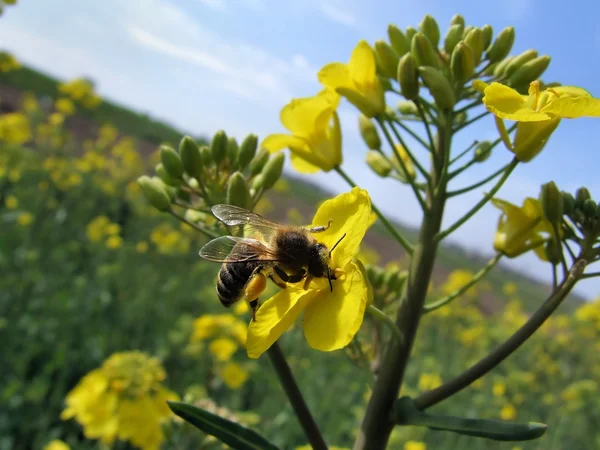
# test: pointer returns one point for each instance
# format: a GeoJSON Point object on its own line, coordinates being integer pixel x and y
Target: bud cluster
{"type": "Point", "coordinates": [387, 283]}
{"type": "Point", "coordinates": [196, 177]}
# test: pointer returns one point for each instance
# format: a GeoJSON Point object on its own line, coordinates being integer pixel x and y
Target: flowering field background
{"type": "Point", "coordinates": [89, 270]}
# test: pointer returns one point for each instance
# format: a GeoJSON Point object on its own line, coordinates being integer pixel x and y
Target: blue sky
{"type": "Point", "coordinates": [204, 65]}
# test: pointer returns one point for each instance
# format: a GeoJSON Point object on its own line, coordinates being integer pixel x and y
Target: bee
{"type": "Point", "coordinates": [282, 253]}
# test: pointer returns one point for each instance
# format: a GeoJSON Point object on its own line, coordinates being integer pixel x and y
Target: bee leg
{"type": "Point", "coordinates": [254, 307]}
{"type": "Point", "coordinates": [320, 228]}
{"type": "Point", "coordinates": [278, 281]}
{"type": "Point", "coordinates": [307, 282]}
{"type": "Point", "coordinates": [253, 289]}
{"type": "Point", "coordinates": [293, 278]}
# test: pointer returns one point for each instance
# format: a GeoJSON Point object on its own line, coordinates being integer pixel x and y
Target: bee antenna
{"type": "Point", "coordinates": [329, 278]}
{"type": "Point", "coordinates": [336, 244]}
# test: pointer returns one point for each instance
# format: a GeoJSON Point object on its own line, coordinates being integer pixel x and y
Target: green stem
{"type": "Point", "coordinates": [469, 106]}
{"type": "Point", "coordinates": [423, 112]}
{"type": "Point", "coordinates": [501, 352]}
{"type": "Point", "coordinates": [412, 133]}
{"type": "Point", "coordinates": [464, 152]}
{"type": "Point", "coordinates": [286, 378]}
{"type": "Point", "coordinates": [478, 184]}
{"type": "Point", "coordinates": [411, 156]}
{"type": "Point", "coordinates": [402, 165]}
{"type": "Point", "coordinates": [478, 276]}
{"type": "Point", "coordinates": [590, 275]}
{"type": "Point", "coordinates": [557, 241]}
{"type": "Point", "coordinates": [481, 203]}
{"type": "Point", "coordinates": [461, 169]}
{"type": "Point", "coordinates": [385, 319]}
{"type": "Point", "coordinates": [386, 223]}
{"type": "Point", "coordinates": [202, 230]}
{"type": "Point", "coordinates": [470, 121]}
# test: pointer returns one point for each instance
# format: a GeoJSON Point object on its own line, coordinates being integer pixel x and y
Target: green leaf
{"type": "Point", "coordinates": [233, 434]}
{"type": "Point", "coordinates": [405, 413]}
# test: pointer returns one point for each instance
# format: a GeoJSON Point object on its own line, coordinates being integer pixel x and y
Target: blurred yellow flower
{"type": "Point", "coordinates": [25, 219]}
{"type": "Point", "coordinates": [112, 229]}
{"type": "Point", "coordinates": [499, 389]}
{"type": "Point", "coordinates": [456, 280]}
{"type": "Point", "coordinates": [14, 175]}
{"type": "Point", "coordinates": [472, 335]}
{"type": "Point", "coordinates": [106, 135]}
{"type": "Point", "coordinates": [169, 240]}
{"type": "Point", "coordinates": [30, 104]}
{"type": "Point", "coordinates": [15, 128]}
{"type": "Point", "coordinates": [82, 91]}
{"type": "Point", "coordinates": [357, 81]}
{"type": "Point", "coordinates": [415, 445]}
{"type": "Point", "coordinates": [114, 242]}
{"type": "Point", "coordinates": [589, 312]}
{"type": "Point", "coordinates": [96, 229]}
{"type": "Point", "coordinates": [410, 168]}
{"type": "Point", "coordinates": [428, 381]}
{"type": "Point", "coordinates": [56, 119]}
{"type": "Point", "coordinates": [64, 106]}
{"type": "Point", "coordinates": [141, 247]}
{"type": "Point", "coordinates": [234, 375]}
{"type": "Point", "coordinates": [510, 288]}
{"type": "Point", "coordinates": [223, 348]}
{"type": "Point", "coordinates": [211, 326]}
{"type": "Point", "coordinates": [11, 202]}
{"type": "Point", "coordinates": [241, 308]}
{"type": "Point", "coordinates": [315, 142]}
{"type": "Point", "coordinates": [123, 399]}
{"type": "Point", "coordinates": [508, 412]}
{"type": "Point", "coordinates": [56, 444]}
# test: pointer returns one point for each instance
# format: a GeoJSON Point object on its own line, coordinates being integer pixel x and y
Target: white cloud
{"type": "Point", "coordinates": [337, 14]}
{"type": "Point", "coordinates": [217, 5]}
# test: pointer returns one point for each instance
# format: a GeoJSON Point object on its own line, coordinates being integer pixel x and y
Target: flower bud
{"type": "Point", "coordinates": [407, 108]}
{"type": "Point", "coordinates": [487, 31]}
{"type": "Point", "coordinates": [386, 84]}
{"type": "Point", "coordinates": [398, 40]}
{"type": "Point", "coordinates": [205, 155]}
{"type": "Point", "coordinates": [489, 69]}
{"type": "Point", "coordinates": [162, 173]}
{"type": "Point", "coordinates": [238, 192]}
{"type": "Point", "coordinates": [247, 150]}
{"type": "Point", "coordinates": [257, 182]}
{"type": "Point", "coordinates": [462, 62]}
{"type": "Point", "coordinates": [581, 196]}
{"type": "Point", "coordinates": [482, 151]}
{"type": "Point", "coordinates": [502, 45]}
{"type": "Point", "coordinates": [552, 202]}
{"type": "Point", "coordinates": [517, 61]}
{"type": "Point", "coordinates": [589, 208]}
{"type": "Point", "coordinates": [457, 19]}
{"type": "Point", "coordinates": [375, 275]}
{"type": "Point", "coordinates": [430, 28]}
{"type": "Point", "coordinates": [369, 132]}
{"type": "Point", "coordinates": [258, 162]}
{"type": "Point", "coordinates": [466, 30]}
{"type": "Point", "coordinates": [190, 157]}
{"type": "Point", "coordinates": [232, 152]}
{"type": "Point", "coordinates": [501, 66]}
{"type": "Point", "coordinates": [155, 193]}
{"type": "Point", "coordinates": [453, 37]}
{"type": "Point", "coordinates": [272, 170]}
{"type": "Point", "coordinates": [423, 51]}
{"type": "Point", "coordinates": [171, 161]}
{"type": "Point", "coordinates": [408, 77]}
{"type": "Point", "coordinates": [460, 118]}
{"type": "Point", "coordinates": [553, 251]}
{"type": "Point", "coordinates": [388, 60]}
{"type": "Point", "coordinates": [531, 138]}
{"type": "Point", "coordinates": [568, 203]}
{"type": "Point", "coordinates": [218, 146]}
{"type": "Point", "coordinates": [410, 34]}
{"type": "Point", "coordinates": [378, 163]}
{"type": "Point", "coordinates": [439, 87]}
{"type": "Point", "coordinates": [474, 39]}
{"type": "Point", "coordinates": [530, 71]}
{"type": "Point", "coordinates": [394, 279]}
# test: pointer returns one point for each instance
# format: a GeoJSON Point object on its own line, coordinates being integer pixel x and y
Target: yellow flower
{"type": "Point", "coordinates": [64, 106]}
{"type": "Point", "coordinates": [357, 80]}
{"type": "Point", "coordinates": [330, 447]}
{"type": "Point", "coordinates": [331, 318]}
{"type": "Point", "coordinates": [15, 128]}
{"type": "Point", "coordinates": [499, 389]}
{"type": "Point", "coordinates": [30, 103]}
{"type": "Point", "coordinates": [508, 412]}
{"type": "Point", "coordinates": [223, 348]}
{"type": "Point", "coordinates": [124, 399]}
{"type": "Point", "coordinates": [520, 229]}
{"type": "Point", "coordinates": [112, 229]}
{"type": "Point", "coordinates": [218, 325]}
{"type": "Point", "coordinates": [56, 119]}
{"type": "Point", "coordinates": [456, 280]}
{"type": "Point", "coordinates": [141, 247]}
{"type": "Point", "coordinates": [315, 143]}
{"type": "Point", "coordinates": [241, 308]}
{"type": "Point", "coordinates": [510, 288]}
{"type": "Point", "coordinates": [114, 242]}
{"type": "Point", "coordinates": [234, 375]}
{"type": "Point", "coordinates": [415, 445]}
{"type": "Point", "coordinates": [410, 168]}
{"type": "Point", "coordinates": [11, 202]}
{"type": "Point", "coordinates": [25, 219]}
{"type": "Point", "coordinates": [429, 381]}
{"type": "Point", "coordinates": [95, 230]}
{"type": "Point", "coordinates": [57, 444]}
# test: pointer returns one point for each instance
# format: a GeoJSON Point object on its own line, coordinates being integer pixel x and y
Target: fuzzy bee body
{"type": "Point", "coordinates": [232, 279]}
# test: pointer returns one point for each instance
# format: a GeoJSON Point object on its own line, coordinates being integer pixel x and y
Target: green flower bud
{"type": "Point", "coordinates": [568, 203]}
{"type": "Point", "coordinates": [453, 37]}
{"type": "Point", "coordinates": [474, 39]}
{"type": "Point", "coordinates": [517, 61]}
{"type": "Point", "coordinates": [482, 151]}
{"type": "Point", "coordinates": [530, 71]}
{"type": "Point", "coordinates": [397, 280]}
{"type": "Point", "coordinates": [272, 170]}
{"type": "Point", "coordinates": [218, 146]}
{"type": "Point", "coordinates": [466, 30]}
{"type": "Point", "coordinates": [369, 132]}
{"type": "Point", "coordinates": [206, 156]}
{"type": "Point", "coordinates": [552, 202]}
{"type": "Point", "coordinates": [258, 162]}
{"type": "Point", "coordinates": [553, 251]}
{"type": "Point", "coordinates": [190, 157]}
{"type": "Point", "coordinates": [407, 108]}
{"type": "Point", "coordinates": [386, 84]}
{"type": "Point", "coordinates": [488, 31]}
{"type": "Point", "coordinates": [183, 195]}
{"type": "Point", "coordinates": [232, 152]}
{"type": "Point", "coordinates": [460, 118]}
{"type": "Point", "coordinates": [462, 62]}
{"type": "Point", "coordinates": [501, 66]}
{"type": "Point", "coordinates": [378, 163]}
{"type": "Point", "coordinates": [408, 77]}
{"type": "Point", "coordinates": [375, 275]}
{"type": "Point", "coordinates": [238, 192]}
{"type": "Point", "coordinates": [581, 196]}
{"type": "Point", "coordinates": [430, 28]}
{"type": "Point", "coordinates": [162, 173]}
{"type": "Point", "coordinates": [489, 69]}
{"type": "Point", "coordinates": [410, 34]}
{"type": "Point", "coordinates": [247, 150]}
{"type": "Point", "coordinates": [502, 45]}
{"type": "Point", "coordinates": [398, 40]}
{"type": "Point", "coordinates": [423, 51]}
{"type": "Point", "coordinates": [439, 87]}
{"type": "Point", "coordinates": [172, 162]}
{"type": "Point", "coordinates": [387, 58]}
{"type": "Point", "coordinates": [155, 193]}
{"type": "Point", "coordinates": [589, 208]}
{"type": "Point", "coordinates": [257, 182]}
{"type": "Point", "coordinates": [457, 19]}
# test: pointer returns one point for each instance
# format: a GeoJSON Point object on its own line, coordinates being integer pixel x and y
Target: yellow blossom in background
{"type": "Point", "coordinates": [472, 335]}
{"type": "Point", "coordinates": [428, 381]}
{"type": "Point", "coordinates": [141, 247]}
{"type": "Point", "coordinates": [169, 240]}
{"type": "Point", "coordinates": [64, 106]}
{"type": "Point", "coordinates": [14, 175]}
{"type": "Point", "coordinates": [56, 119]}
{"type": "Point", "coordinates": [96, 229]}
{"type": "Point", "coordinates": [211, 326]}
{"type": "Point", "coordinates": [112, 229]}
{"type": "Point", "coordinates": [29, 103]}
{"type": "Point", "coordinates": [123, 399]}
{"type": "Point", "coordinates": [107, 134]}
{"type": "Point", "coordinates": [56, 444]}
{"type": "Point", "coordinates": [114, 242]}
{"type": "Point", "coordinates": [330, 447]}
{"type": "Point", "coordinates": [223, 348]}
{"type": "Point", "coordinates": [521, 229]}
{"type": "Point", "coordinates": [15, 128]}
{"type": "Point", "coordinates": [25, 219]}
{"type": "Point", "coordinates": [499, 389]}
{"type": "Point", "coordinates": [589, 312]}
{"type": "Point", "coordinates": [11, 202]}
{"type": "Point", "coordinates": [415, 445]}
{"type": "Point", "coordinates": [331, 319]}
{"type": "Point", "coordinates": [357, 81]}
{"type": "Point", "coordinates": [456, 280]}
{"type": "Point", "coordinates": [241, 308]}
{"type": "Point", "coordinates": [508, 412]}
{"type": "Point", "coordinates": [82, 91]}
{"type": "Point", "coordinates": [509, 288]}
{"type": "Point", "coordinates": [234, 375]}
{"type": "Point", "coordinates": [315, 141]}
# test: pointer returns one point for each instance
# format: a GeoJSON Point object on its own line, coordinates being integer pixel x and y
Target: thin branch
{"type": "Point", "coordinates": [478, 184]}
{"type": "Point", "coordinates": [412, 133]}
{"type": "Point", "coordinates": [415, 161]}
{"type": "Point", "coordinates": [463, 153]}
{"type": "Point", "coordinates": [386, 320]}
{"type": "Point", "coordinates": [470, 121]}
{"type": "Point", "coordinates": [426, 123]}
{"type": "Point", "coordinates": [202, 230]}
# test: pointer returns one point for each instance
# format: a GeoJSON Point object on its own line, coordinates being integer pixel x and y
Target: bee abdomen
{"type": "Point", "coordinates": [232, 280]}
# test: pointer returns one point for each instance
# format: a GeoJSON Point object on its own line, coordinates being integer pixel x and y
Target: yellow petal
{"type": "Point", "coordinates": [331, 96]}
{"type": "Point", "coordinates": [506, 103]}
{"type": "Point", "coordinates": [274, 317]}
{"type": "Point", "coordinates": [299, 116]}
{"type": "Point", "coordinates": [570, 107]}
{"type": "Point", "coordinates": [362, 64]}
{"type": "Point", "coordinates": [480, 86]}
{"type": "Point", "coordinates": [275, 142]}
{"type": "Point", "coordinates": [335, 75]}
{"type": "Point", "coordinates": [569, 91]}
{"type": "Point", "coordinates": [302, 165]}
{"type": "Point", "coordinates": [531, 137]}
{"type": "Point", "coordinates": [363, 104]}
{"type": "Point", "coordinates": [350, 213]}
{"type": "Point", "coordinates": [332, 319]}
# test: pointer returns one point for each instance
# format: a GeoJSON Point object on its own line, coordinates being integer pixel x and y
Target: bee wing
{"type": "Point", "coordinates": [252, 223]}
{"type": "Point", "coordinates": [231, 249]}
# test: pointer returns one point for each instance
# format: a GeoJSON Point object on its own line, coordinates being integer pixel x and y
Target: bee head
{"type": "Point", "coordinates": [320, 262]}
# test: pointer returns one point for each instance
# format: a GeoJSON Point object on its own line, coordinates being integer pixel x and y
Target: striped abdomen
{"type": "Point", "coordinates": [232, 280]}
